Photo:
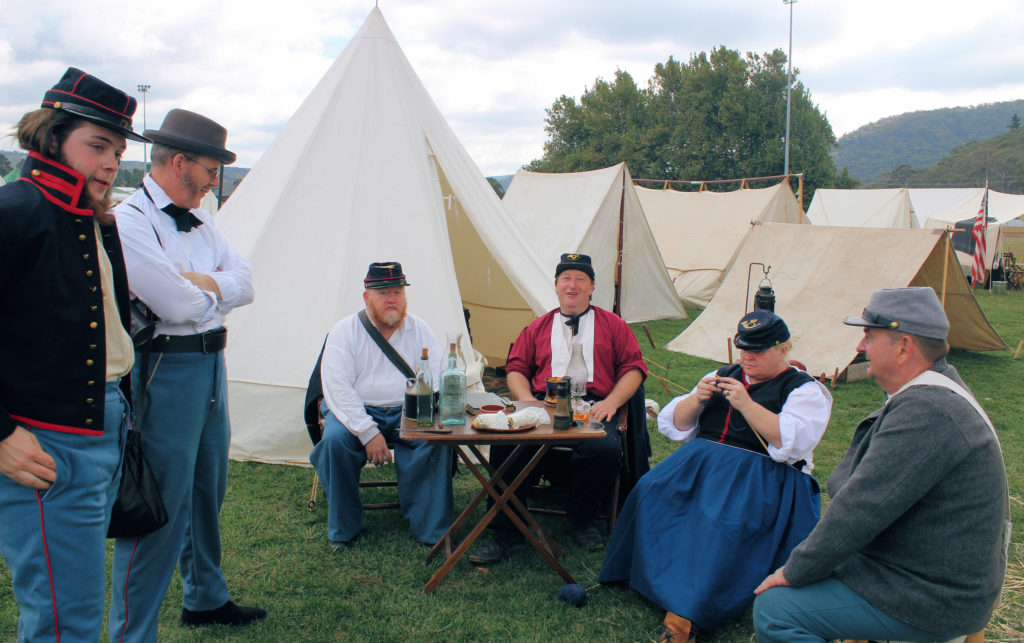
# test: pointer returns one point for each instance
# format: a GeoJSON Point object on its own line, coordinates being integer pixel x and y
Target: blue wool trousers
{"type": "Point", "coordinates": [424, 478]}
{"type": "Point", "coordinates": [824, 611]}
{"type": "Point", "coordinates": [54, 541]}
{"type": "Point", "coordinates": [186, 437]}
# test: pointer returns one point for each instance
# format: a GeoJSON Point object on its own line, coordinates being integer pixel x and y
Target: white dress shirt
{"type": "Point", "coordinates": [802, 422]}
{"type": "Point", "coordinates": [355, 372]}
{"type": "Point", "coordinates": [156, 253]}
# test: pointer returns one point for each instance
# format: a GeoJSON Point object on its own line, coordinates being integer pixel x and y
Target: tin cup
{"type": "Point", "coordinates": [551, 395]}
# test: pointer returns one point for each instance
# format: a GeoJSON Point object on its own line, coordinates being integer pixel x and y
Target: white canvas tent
{"type": "Point", "coordinates": [1002, 207]}
{"type": "Point", "coordinates": [884, 208]}
{"type": "Point", "coordinates": [698, 232]}
{"type": "Point", "coordinates": [928, 202]}
{"type": "Point", "coordinates": [366, 170]}
{"type": "Point", "coordinates": [587, 212]}
{"type": "Point", "coordinates": [820, 275]}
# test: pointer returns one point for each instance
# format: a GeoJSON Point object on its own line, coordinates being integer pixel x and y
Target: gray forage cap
{"type": "Point", "coordinates": [915, 311]}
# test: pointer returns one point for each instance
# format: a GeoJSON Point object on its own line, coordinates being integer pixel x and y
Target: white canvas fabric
{"type": "Point", "coordinates": [884, 208]}
{"type": "Point", "coordinates": [366, 170]}
{"type": "Point", "coordinates": [822, 274]}
{"type": "Point", "coordinates": [928, 202]}
{"type": "Point", "coordinates": [580, 212]}
{"type": "Point", "coordinates": [698, 232]}
{"type": "Point", "coordinates": [1002, 207]}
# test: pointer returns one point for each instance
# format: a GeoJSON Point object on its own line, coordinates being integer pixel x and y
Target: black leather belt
{"type": "Point", "coordinates": [208, 342]}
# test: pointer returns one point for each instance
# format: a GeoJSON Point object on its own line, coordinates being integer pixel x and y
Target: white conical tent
{"type": "Point", "coordinates": [822, 274]}
{"type": "Point", "coordinates": [698, 232]}
{"type": "Point", "coordinates": [883, 208]}
{"type": "Point", "coordinates": [366, 170]}
{"type": "Point", "coordinates": [584, 212]}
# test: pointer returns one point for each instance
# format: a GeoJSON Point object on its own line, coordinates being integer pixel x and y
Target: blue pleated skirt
{"type": "Point", "coordinates": [702, 529]}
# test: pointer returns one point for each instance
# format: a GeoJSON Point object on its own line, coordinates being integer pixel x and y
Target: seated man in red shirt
{"type": "Point", "coordinates": [615, 370]}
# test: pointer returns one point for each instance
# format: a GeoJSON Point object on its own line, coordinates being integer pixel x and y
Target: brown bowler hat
{"type": "Point", "coordinates": [192, 132]}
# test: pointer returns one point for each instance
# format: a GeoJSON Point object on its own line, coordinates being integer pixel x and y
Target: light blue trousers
{"type": "Point", "coordinates": [824, 611]}
{"type": "Point", "coordinates": [54, 541]}
{"type": "Point", "coordinates": [186, 436]}
{"type": "Point", "coordinates": [424, 478]}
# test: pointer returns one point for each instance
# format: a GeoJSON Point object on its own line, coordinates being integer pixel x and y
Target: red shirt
{"type": "Point", "coordinates": [616, 352]}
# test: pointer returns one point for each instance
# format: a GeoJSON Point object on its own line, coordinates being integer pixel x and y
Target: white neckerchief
{"type": "Point", "coordinates": [561, 343]}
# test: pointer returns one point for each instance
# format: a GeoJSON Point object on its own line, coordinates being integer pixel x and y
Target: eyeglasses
{"type": "Point", "coordinates": [212, 171]}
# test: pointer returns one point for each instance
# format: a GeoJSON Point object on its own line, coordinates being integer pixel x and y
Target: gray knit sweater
{"type": "Point", "coordinates": [916, 518]}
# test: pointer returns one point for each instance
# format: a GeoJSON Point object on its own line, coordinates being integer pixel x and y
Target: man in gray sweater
{"type": "Point", "coordinates": [913, 544]}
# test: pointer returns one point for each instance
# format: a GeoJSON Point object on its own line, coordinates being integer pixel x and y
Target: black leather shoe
{"type": "Point", "coordinates": [226, 614]}
{"type": "Point", "coordinates": [586, 535]}
{"type": "Point", "coordinates": [500, 545]}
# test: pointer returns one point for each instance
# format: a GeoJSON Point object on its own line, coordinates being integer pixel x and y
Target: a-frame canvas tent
{"type": "Point", "coordinates": [596, 213]}
{"type": "Point", "coordinates": [366, 170]}
{"type": "Point", "coordinates": [882, 208]}
{"type": "Point", "coordinates": [1001, 206]}
{"type": "Point", "coordinates": [820, 275]}
{"type": "Point", "coordinates": [698, 232]}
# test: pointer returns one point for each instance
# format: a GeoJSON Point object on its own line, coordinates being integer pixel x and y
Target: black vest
{"type": "Point", "coordinates": [720, 422]}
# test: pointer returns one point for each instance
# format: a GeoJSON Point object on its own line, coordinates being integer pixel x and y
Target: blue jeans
{"type": "Point", "coordinates": [424, 478]}
{"type": "Point", "coordinates": [824, 611]}
{"type": "Point", "coordinates": [54, 541]}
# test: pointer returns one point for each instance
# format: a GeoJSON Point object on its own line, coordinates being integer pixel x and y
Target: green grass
{"type": "Point", "coordinates": [276, 553]}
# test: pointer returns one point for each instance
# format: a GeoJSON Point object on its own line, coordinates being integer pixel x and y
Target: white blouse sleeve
{"type": "Point", "coordinates": [666, 425]}
{"type": "Point", "coordinates": [802, 422]}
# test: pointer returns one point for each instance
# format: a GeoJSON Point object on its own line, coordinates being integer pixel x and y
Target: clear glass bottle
{"type": "Point", "coordinates": [453, 391]}
{"type": "Point", "coordinates": [577, 371]}
{"type": "Point", "coordinates": [424, 393]}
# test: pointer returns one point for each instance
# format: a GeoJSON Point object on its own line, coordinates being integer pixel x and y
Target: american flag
{"type": "Point", "coordinates": [978, 234]}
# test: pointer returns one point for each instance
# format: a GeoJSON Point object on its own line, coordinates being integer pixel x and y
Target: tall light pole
{"type": "Point", "coordinates": [789, 83]}
{"type": "Point", "coordinates": [144, 89]}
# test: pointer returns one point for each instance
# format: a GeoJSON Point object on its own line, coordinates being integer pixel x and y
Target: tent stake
{"type": "Point", "coordinates": [649, 338]}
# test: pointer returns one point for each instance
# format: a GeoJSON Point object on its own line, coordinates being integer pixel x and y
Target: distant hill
{"type": "Point", "coordinates": [920, 139]}
{"type": "Point", "coordinates": [999, 160]}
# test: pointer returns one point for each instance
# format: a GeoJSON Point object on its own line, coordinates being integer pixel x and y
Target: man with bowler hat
{"type": "Point", "coordinates": [616, 369]}
{"type": "Point", "coordinates": [189, 276]}
{"type": "Point", "coordinates": [363, 390]}
{"type": "Point", "coordinates": [65, 356]}
{"type": "Point", "coordinates": [913, 544]}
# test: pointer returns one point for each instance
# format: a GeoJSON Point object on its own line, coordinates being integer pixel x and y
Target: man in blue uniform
{"type": "Point", "coordinates": [65, 355]}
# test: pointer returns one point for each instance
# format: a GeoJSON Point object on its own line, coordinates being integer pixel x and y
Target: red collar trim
{"type": "Point", "coordinates": [60, 184]}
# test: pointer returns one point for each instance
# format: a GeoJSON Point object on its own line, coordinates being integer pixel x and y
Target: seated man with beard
{"type": "Point", "coordinates": [362, 406]}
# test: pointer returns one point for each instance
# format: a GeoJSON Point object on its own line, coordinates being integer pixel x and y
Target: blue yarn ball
{"type": "Point", "coordinates": [573, 594]}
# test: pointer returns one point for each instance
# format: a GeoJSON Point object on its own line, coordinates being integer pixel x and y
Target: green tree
{"type": "Point", "coordinates": [719, 116]}
{"type": "Point", "coordinates": [1015, 122]}
{"type": "Point", "coordinates": [129, 177]}
{"type": "Point", "coordinates": [5, 165]}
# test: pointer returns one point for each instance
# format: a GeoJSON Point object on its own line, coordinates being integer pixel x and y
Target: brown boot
{"type": "Point", "coordinates": [677, 629]}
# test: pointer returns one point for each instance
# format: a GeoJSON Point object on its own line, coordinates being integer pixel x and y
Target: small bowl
{"type": "Point", "coordinates": [491, 408]}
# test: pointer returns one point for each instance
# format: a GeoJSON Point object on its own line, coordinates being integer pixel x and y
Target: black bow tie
{"type": "Point", "coordinates": [573, 321]}
{"type": "Point", "coordinates": [183, 217]}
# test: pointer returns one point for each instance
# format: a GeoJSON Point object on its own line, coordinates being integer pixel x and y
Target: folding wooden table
{"type": "Point", "coordinates": [467, 442]}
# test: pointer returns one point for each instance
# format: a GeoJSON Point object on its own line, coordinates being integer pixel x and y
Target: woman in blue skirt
{"type": "Point", "coordinates": [700, 530]}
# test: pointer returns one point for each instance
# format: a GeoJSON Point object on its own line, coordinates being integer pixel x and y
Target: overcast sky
{"type": "Point", "coordinates": [494, 67]}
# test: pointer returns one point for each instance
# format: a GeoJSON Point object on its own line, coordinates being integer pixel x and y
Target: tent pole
{"type": "Point", "coordinates": [945, 269]}
{"type": "Point", "coordinates": [616, 307]}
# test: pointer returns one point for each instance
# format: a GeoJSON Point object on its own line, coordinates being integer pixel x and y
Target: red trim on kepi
{"type": "Point", "coordinates": [94, 100]}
